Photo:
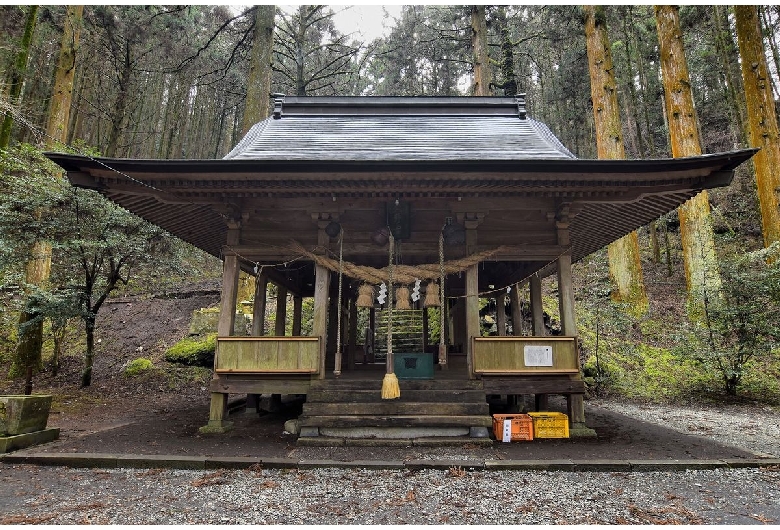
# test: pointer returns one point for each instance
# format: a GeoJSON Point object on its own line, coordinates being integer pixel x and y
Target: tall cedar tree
{"type": "Point", "coordinates": [16, 78]}
{"type": "Point", "coordinates": [762, 118]}
{"type": "Point", "coordinates": [39, 262]}
{"type": "Point", "coordinates": [625, 268]}
{"type": "Point", "coordinates": [698, 242]}
{"type": "Point", "coordinates": [259, 80]}
{"type": "Point", "coordinates": [480, 50]}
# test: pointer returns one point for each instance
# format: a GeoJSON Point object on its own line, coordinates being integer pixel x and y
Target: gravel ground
{"type": "Point", "coordinates": [753, 428]}
{"type": "Point", "coordinates": [339, 496]}
{"type": "Point", "coordinates": [49, 495]}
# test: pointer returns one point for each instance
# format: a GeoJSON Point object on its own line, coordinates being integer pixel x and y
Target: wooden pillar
{"type": "Point", "coordinates": [297, 315]}
{"type": "Point", "coordinates": [425, 327]}
{"type": "Point", "coordinates": [281, 311]}
{"type": "Point", "coordinates": [517, 312]}
{"type": "Point", "coordinates": [369, 338]}
{"type": "Point", "coordinates": [575, 402]}
{"type": "Point", "coordinates": [352, 333]}
{"type": "Point", "coordinates": [330, 344]}
{"type": "Point", "coordinates": [227, 303]}
{"type": "Point", "coordinates": [537, 311]}
{"type": "Point", "coordinates": [227, 315]}
{"type": "Point", "coordinates": [501, 314]}
{"type": "Point", "coordinates": [565, 287]}
{"type": "Point", "coordinates": [321, 294]}
{"type": "Point", "coordinates": [320, 320]}
{"type": "Point", "coordinates": [258, 309]}
{"type": "Point", "coordinates": [472, 314]}
{"type": "Point", "coordinates": [472, 296]}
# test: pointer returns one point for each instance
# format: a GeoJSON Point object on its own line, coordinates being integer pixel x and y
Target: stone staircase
{"type": "Point", "coordinates": [352, 412]}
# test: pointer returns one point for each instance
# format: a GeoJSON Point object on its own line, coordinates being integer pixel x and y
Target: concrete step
{"type": "Point", "coordinates": [405, 384]}
{"type": "Point", "coordinates": [402, 421]}
{"type": "Point", "coordinates": [428, 441]}
{"type": "Point", "coordinates": [407, 396]}
{"type": "Point", "coordinates": [396, 408]}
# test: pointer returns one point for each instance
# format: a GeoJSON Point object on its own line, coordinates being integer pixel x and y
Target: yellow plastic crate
{"type": "Point", "coordinates": [550, 424]}
{"type": "Point", "coordinates": [521, 427]}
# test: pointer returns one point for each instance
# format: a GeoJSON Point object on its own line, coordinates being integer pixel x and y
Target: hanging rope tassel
{"type": "Point", "coordinates": [365, 296]}
{"type": "Point", "coordinates": [390, 388]}
{"type": "Point", "coordinates": [402, 298]}
{"type": "Point", "coordinates": [432, 295]}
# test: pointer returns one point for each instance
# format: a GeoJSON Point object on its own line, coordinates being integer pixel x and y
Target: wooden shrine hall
{"type": "Point", "coordinates": [372, 202]}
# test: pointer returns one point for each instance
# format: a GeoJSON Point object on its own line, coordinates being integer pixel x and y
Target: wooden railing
{"type": "Point", "coordinates": [525, 355]}
{"type": "Point", "coordinates": [267, 355]}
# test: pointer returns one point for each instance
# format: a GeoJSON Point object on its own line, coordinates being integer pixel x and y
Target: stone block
{"type": "Point", "coordinates": [23, 414]}
{"type": "Point", "coordinates": [20, 441]}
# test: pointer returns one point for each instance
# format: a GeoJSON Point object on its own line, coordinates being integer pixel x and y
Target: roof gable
{"type": "Point", "coordinates": [399, 129]}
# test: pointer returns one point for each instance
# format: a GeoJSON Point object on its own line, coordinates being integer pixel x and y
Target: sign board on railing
{"type": "Point", "coordinates": [525, 355]}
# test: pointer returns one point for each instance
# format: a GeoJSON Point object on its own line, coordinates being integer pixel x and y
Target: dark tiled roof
{"type": "Point", "coordinates": [322, 154]}
{"type": "Point", "coordinates": [397, 129]}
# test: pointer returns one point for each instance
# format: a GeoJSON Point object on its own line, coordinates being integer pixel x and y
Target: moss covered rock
{"type": "Point", "coordinates": [194, 351]}
{"type": "Point", "coordinates": [138, 366]}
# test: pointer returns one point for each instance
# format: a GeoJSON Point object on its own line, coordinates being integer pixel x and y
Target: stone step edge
{"type": "Point", "coordinates": [133, 461]}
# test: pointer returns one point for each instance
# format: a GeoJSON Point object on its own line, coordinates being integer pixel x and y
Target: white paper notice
{"type": "Point", "coordinates": [538, 356]}
{"type": "Point", "coordinates": [507, 431]}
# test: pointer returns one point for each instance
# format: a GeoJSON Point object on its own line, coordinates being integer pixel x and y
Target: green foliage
{"type": "Point", "coordinates": [194, 351]}
{"type": "Point", "coordinates": [138, 366]}
{"type": "Point", "coordinates": [96, 245]}
{"type": "Point", "coordinates": [744, 322]}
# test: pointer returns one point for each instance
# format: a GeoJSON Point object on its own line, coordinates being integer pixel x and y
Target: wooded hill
{"type": "Point", "coordinates": [692, 297]}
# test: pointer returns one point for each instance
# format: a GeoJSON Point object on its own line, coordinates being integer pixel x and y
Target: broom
{"type": "Point", "coordinates": [390, 388]}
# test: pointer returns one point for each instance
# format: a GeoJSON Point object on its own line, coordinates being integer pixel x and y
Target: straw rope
{"type": "Point", "coordinates": [401, 273]}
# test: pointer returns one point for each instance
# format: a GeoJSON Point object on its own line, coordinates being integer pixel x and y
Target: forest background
{"type": "Point", "coordinates": [176, 82]}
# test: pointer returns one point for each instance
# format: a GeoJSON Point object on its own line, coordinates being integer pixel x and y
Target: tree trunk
{"type": "Point", "coordinates": [120, 104]}
{"type": "Point", "coordinates": [625, 268]}
{"type": "Point", "coordinates": [58, 336]}
{"type": "Point", "coordinates": [89, 356]}
{"type": "Point", "coordinates": [62, 93]}
{"type": "Point", "coordinates": [39, 264]}
{"type": "Point", "coordinates": [479, 45]}
{"type": "Point", "coordinates": [698, 242]}
{"type": "Point", "coordinates": [18, 74]}
{"type": "Point", "coordinates": [259, 80]}
{"type": "Point", "coordinates": [762, 118]}
{"type": "Point", "coordinates": [768, 30]}
{"type": "Point", "coordinates": [654, 245]}
{"type": "Point", "coordinates": [725, 47]}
